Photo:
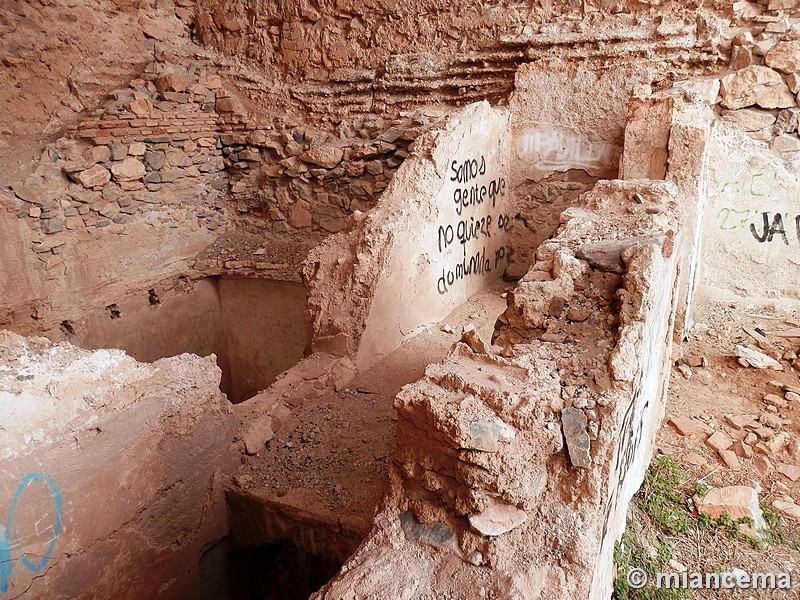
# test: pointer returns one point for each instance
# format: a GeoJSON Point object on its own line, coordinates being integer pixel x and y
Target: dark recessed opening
{"type": "Point", "coordinates": [67, 328]}
{"type": "Point", "coordinates": [256, 328]}
{"type": "Point", "coordinates": [274, 572]}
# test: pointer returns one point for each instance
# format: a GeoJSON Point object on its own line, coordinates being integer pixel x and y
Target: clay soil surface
{"type": "Point", "coordinates": [716, 397]}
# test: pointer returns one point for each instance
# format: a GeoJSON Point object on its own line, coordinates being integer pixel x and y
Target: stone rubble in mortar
{"type": "Point", "coordinates": [762, 95]}
{"type": "Point", "coordinates": [150, 154]}
{"type": "Point", "coordinates": [478, 435]}
{"type": "Point", "coordinates": [175, 142]}
{"type": "Point", "coordinates": [306, 179]}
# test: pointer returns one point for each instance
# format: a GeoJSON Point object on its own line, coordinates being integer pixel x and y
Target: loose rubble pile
{"type": "Point", "coordinates": [744, 419]}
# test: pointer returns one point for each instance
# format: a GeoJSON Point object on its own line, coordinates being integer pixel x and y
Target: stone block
{"type": "Point", "coordinates": [300, 215]}
{"type": "Point", "coordinates": [130, 169]}
{"type": "Point", "coordinates": [137, 149]}
{"type": "Point", "coordinates": [749, 119]}
{"type": "Point", "coordinates": [607, 255]}
{"type": "Point", "coordinates": [96, 176]}
{"type": "Point", "coordinates": [324, 156]}
{"type": "Point", "coordinates": [784, 57]}
{"type": "Point", "coordinates": [498, 518]}
{"type": "Point", "coordinates": [687, 426]}
{"type": "Point", "coordinates": [228, 105]}
{"type": "Point", "coordinates": [119, 151]}
{"type": "Point", "coordinates": [53, 225]}
{"type": "Point", "coordinates": [257, 434]}
{"type": "Point", "coordinates": [30, 193]}
{"type": "Point", "coordinates": [155, 160]}
{"type": "Point", "coordinates": [171, 83]}
{"type": "Point", "coordinates": [97, 154]}
{"type": "Point", "coordinates": [719, 441]}
{"type": "Point", "coordinates": [790, 471]}
{"type": "Point", "coordinates": [736, 501]}
{"type": "Point", "coordinates": [575, 427]}
{"type": "Point", "coordinates": [487, 436]}
{"type": "Point", "coordinates": [756, 85]}
{"type": "Point", "coordinates": [439, 535]}
{"type": "Point", "coordinates": [178, 158]}
{"type": "Point", "coordinates": [140, 107]}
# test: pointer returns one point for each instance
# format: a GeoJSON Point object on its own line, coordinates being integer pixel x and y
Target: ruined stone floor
{"type": "Point", "coordinates": [327, 465]}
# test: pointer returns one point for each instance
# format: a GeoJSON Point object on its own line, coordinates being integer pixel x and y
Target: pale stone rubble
{"type": "Point", "coordinates": [761, 95]}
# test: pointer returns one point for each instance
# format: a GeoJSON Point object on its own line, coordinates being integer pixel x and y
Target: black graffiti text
{"type": "Point", "coordinates": [772, 227]}
{"type": "Point", "coordinates": [468, 170]}
{"type": "Point", "coordinates": [478, 194]}
{"type": "Point", "coordinates": [464, 231]}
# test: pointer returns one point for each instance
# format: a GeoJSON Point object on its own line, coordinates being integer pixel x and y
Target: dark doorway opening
{"type": "Point", "coordinates": [274, 572]}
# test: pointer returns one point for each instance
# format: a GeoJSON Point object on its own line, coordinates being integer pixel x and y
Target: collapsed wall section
{"type": "Point", "coordinates": [113, 475]}
{"type": "Point", "coordinates": [567, 125]}
{"type": "Point", "coordinates": [437, 237]}
{"type": "Point", "coordinates": [521, 456]}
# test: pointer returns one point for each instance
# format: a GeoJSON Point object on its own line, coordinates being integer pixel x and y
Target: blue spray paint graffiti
{"type": "Point", "coordinates": [8, 536]}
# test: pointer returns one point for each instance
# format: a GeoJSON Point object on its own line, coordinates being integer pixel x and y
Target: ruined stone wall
{"type": "Point", "coordinates": [116, 205]}
{"type": "Point", "coordinates": [567, 128]}
{"type": "Point", "coordinates": [522, 456]}
{"type": "Point", "coordinates": [482, 475]}
{"type": "Point", "coordinates": [435, 239]}
{"type": "Point", "coordinates": [176, 161]}
{"type": "Point", "coordinates": [752, 215]}
{"type": "Point", "coordinates": [750, 212]}
{"type": "Point", "coordinates": [384, 57]}
{"type": "Point", "coordinates": [113, 475]}
{"type": "Point", "coordinates": [206, 164]}
{"type": "Point", "coordinates": [298, 158]}
{"type": "Point", "coordinates": [751, 168]}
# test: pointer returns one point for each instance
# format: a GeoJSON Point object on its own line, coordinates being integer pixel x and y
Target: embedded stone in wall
{"type": "Point", "coordinates": [326, 157]}
{"type": "Point", "coordinates": [229, 105]}
{"type": "Point", "coordinates": [784, 57]}
{"type": "Point", "coordinates": [97, 154]}
{"type": "Point", "coordinates": [498, 518]}
{"type": "Point", "coordinates": [129, 169]}
{"type": "Point", "coordinates": [575, 427]}
{"type": "Point", "coordinates": [749, 119]}
{"type": "Point", "coordinates": [756, 85]}
{"type": "Point", "coordinates": [786, 143]}
{"type": "Point", "coordinates": [97, 176]}
{"type": "Point", "coordinates": [172, 82]}
{"type": "Point", "coordinates": [140, 106]}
